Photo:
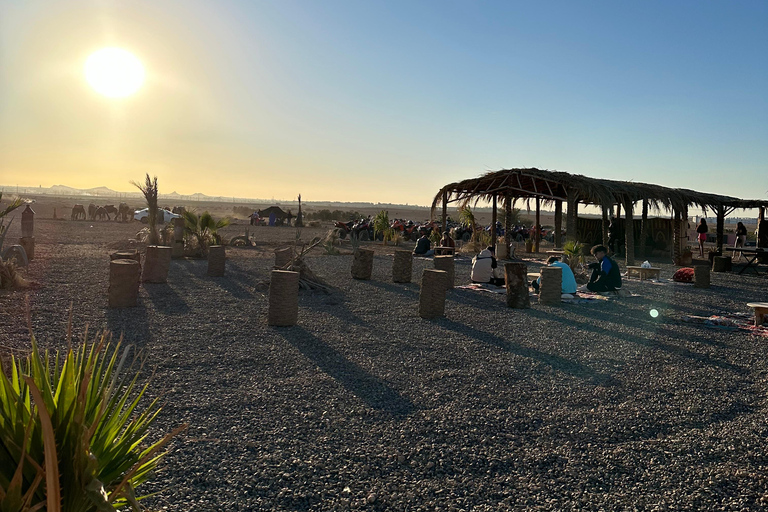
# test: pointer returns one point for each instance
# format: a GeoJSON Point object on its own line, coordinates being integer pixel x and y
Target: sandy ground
{"type": "Point", "coordinates": [596, 406]}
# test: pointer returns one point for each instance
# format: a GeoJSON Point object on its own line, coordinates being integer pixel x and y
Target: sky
{"type": "Point", "coordinates": [386, 101]}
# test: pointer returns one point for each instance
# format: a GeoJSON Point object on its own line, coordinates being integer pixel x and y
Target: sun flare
{"type": "Point", "coordinates": [114, 72]}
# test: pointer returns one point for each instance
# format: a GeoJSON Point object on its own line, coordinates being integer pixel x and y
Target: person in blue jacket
{"type": "Point", "coordinates": [569, 280]}
{"type": "Point", "coordinates": [606, 276]}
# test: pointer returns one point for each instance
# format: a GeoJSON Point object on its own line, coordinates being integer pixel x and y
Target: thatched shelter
{"type": "Point", "coordinates": [556, 187]}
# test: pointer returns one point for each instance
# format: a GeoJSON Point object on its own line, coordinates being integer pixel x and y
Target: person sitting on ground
{"type": "Point", "coordinates": [423, 247]}
{"type": "Point", "coordinates": [569, 280]}
{"type": "Point", "coordinates": [606, 276]}
{"type": "Point", "coordinates": [485, 268]}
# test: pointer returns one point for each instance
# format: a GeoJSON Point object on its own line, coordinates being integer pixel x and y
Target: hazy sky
{"type": "Point", "coordinates": [386, 101]}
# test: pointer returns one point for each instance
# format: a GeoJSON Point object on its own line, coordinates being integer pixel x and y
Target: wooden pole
{"type": "Point", "coordinates": [508, 220]}
{"type": "Point", "coordinates": [493, 222]}
{"type": "Point", "coordinates": [618, 211]}
{"type": "Point", "coordinates": [445, 211]}
{"type": "Point", "coordinates": [537, 240]}
{"type": "Point", "coordinates": [720, 228]}
{"type": "Point", "coordinates": [629, 233]}
{"type": "Point", "coordinates": [644, 228]}
{"type": "Point", "coordinates": [571, 216]}
{"type": "Point", "coordinates": [677, 242]}
{"type": "Point", "coordinates": [605, 225]}
{"type": "Point", "coordinates": [558, 223]}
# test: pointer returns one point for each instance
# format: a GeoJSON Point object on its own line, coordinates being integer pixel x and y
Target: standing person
{"type": "Point", "coordinates": [255, 219]}
{"type": "Point", "coordinates": [423, 247]}
{"type": "Point", "coordinates": [606, 276]}
{"type": "Point", "coordinates": [741, 237]}
{"type": "Point", "coordinates": [485, 268]}
{"type": "Point", "coordinates": [702, 230]}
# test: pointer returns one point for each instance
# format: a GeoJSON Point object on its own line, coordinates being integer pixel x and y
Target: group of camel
{"type": "Point", "coordinates": [122, 212]}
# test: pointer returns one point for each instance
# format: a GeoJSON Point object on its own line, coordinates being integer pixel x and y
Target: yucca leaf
{"type": "Point", "coordinates": [52, 488]}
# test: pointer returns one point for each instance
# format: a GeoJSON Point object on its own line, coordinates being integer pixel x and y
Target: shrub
{"type": "Point", "coordinates": [72, 434]}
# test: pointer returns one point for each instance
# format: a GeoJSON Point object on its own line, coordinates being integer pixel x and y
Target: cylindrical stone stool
{"type": "Point", "coordinates": [123, 283]}
{"type": "Point", "coordinates": [362, 264]}
{"type": "Point", "coordinates": [701, 276]}
{"type": "Point", "coordinates": [130, 254]}
{"type": "Point", "coordinates": [402, 266]}
{"type": "Point", "coordinates": [446, 263]}
{"type": "Point", "coordinates": [721, 263]}
{"type": "Point", "coordinates": [551, 286]}
{"type": "Point", "coordinates": [216, 260]}
{"type": "Point", "coordinates": [516, 274]}
{"type": "Point", "coordinates": [157, 262]}
{"type": "Point", "coordinates": [28, 243]}
{"type": "Point", "coordinates": [502, 249]}
{"type": "Point", "coordinates": [283, 256]}
{"type": "Point", "coordinates": [432, 296]}
{"type": "Point", "coordinates": [178, 238]}
{"type": "Point", "coordinates": [283, 298]}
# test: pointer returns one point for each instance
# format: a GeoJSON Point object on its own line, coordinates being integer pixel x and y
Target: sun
{"type": "Point", "coordinates": [114, 72]}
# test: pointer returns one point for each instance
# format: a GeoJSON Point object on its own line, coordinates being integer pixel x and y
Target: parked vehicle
{"type": "Point", "coordinates": [163, 216]}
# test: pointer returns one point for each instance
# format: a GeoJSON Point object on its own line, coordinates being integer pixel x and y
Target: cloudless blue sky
{"type": "Point", "coordinates": [388, 101]}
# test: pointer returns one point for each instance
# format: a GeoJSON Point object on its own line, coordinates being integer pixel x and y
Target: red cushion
{"type": "Point", "coordinates": [683, 275]}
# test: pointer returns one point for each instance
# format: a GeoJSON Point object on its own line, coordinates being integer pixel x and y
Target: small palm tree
{"type": "Point", "coordinates": [203, 229]}
{"type": "Point", "coordinates": [381, 225]}
{"type": "Point", "coordinates": [15, 203]}
{"type": "Point", "coordinates": [149, 189]}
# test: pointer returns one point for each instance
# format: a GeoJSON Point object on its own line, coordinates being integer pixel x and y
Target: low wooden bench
{"type": "Point", "coordinates": [761, 311]}
{"type": "Point", "coordinates": [644, 273]}
{"type": "Point", "coordinates": [555, 252]}
{"type": "Point", "coordinates": [445, 251]}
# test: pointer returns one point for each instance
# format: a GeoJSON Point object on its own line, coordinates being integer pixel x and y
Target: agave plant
{"type": "Point", "coordinates": [381, 224]}
{"type": "Point", "coordinates": [72, 434]}
{"type": "Point", "coordinates": [203, 229]}
{"type": "Point", "coordinates": [573, 255]}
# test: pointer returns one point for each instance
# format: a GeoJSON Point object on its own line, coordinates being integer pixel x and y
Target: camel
{"type": "Point", "coordinates": [124, 212]}
{"type": "Point", "coordinates": [101, 212]}
{"type": "Point", "coordinates": [77, 211]}
{"type": "Point", "coordinates": [110, 208]}
{"type": "Point", "coordinates": [92, 211]}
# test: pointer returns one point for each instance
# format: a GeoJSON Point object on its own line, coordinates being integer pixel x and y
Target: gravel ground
{"type": "Point", "coordinates": [364, 405]}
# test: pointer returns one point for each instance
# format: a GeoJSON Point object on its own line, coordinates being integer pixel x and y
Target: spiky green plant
{"type": "Point", "coordinates": [150, 192]}
{"type": "Point", "coordinates": [203, 229]}
{"type": "Point", "coordinates": [72, 434]}
{"type": "Point", "coordinates": [381, 224]}
{"type": "Point", "coordinates": [573, 255]}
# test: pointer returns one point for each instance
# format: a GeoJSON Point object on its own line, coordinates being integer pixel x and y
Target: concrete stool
{"type": "Point", "coordinates": [362, 264]}
{"type": "Point", "coordinates": [402, 266]}
{"type": "Point", "coordinates": [217, 258]}
{"type": "Point", "coordinates": [701, 276]}
{"type": "Point", "coordinates": [721, 264]}
{"type": "Point", "coordinates": [123, 283]}
{"type": "Point", "coordinates": [446, 263]}
{"type": "Point", "coordinates": [551, 286]}
{"type": "Point", "coordinates": [157, 262]}
{"type": "Point", "coordinates": [432, 295]}
{"type": "Point", "coordinates": [283, 298]}
{"type": "Point", "coordinates": [516, 274]}
{"type": "Point", "coordinates": [283, 256]}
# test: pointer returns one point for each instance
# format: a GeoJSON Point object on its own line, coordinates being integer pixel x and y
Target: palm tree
{"type": "Point", "coordinates": [149, 189]}
{"type": "Point", "coordinates": [3, 213]}
{"type": "Point", "coordinates": [203, 228]}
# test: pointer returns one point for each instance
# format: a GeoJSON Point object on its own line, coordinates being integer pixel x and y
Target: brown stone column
{"type": "Point", "coordinates": [402, 266]}
{"type": "Point", "coordinates": [283, 298]}
{"type": "Point", "coordinates": [156, 264]}
{"type": "Point", "coordinates": [551, 286]}
{"type": "Point", "coordinates": [432, 294]}
{"type": "Point", "coordinates": [517, 285]}
{"type": "Point", "coordinates": [178, 238]}
{"type": "Point", "coordinates": [362, 264]}
{"type": "Point", "coordinates": [217, 258]}
{"type": "Point", "coordinates": [123, 283]}
{"type": "Point", "coordinates": [446, 264]}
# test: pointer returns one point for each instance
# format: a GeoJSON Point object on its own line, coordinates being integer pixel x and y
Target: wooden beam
{"type": "Point", "coordinates": [445, 211]}
{"type": "Point", "coordinates": [558, 224]}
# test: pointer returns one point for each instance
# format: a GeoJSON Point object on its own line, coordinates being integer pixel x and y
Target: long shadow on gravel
{"type": "Point", "coordinates": [559, 363]}
{"type": "Point", "coordinates": [408, 290]}
{"type": "Point", "coordinates": [370, 389]}
{"type": "Point", "coordinates": [130, 323]}
{"type": "Point", "coordinates": [165, 299]}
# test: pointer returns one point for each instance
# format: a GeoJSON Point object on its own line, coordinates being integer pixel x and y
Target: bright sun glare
{"type": "Point", "coordinates": [114, 72]}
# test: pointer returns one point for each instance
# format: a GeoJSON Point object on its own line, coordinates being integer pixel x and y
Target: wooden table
{"type": "Point", "coordinates": [761, 311]}
{"type": "Point", "coordinates": [751, 263]}
{"type": "Point", "coordinates": [644, 273]}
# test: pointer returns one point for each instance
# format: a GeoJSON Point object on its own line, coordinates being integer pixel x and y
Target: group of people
{"type": "Point", "coordinates": [701, 234]}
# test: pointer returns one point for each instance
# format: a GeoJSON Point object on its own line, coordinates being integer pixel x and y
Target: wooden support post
{"type": "Point", "coordinates": [629, 232]}
{"type": "Point", "coordinates": [571, 216]}
{"type": "Point", "coordinates": [605, 225]}
{"type": "Point", "coordinates": [445, 211]}
{"type": "Point", "coordinates": [644, 228]}
{"type": "Point", "coordinates": [493, 222]}
{"type": "Point", "coordinates": [508, 221]}
{"type": "Point", "coordinates": [677, 249]}
{"type": "Point", "coordinates": [720, 228]}
{"type": "Point", "coordinates": [558, 223]}
{"type": "Point", "coordinates": [618, 211]}
{"type": "Point", "coordinates": [537, 240]}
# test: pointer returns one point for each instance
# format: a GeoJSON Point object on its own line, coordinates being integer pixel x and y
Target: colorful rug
{"type": "Point", "coordinates": [732, 322]}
